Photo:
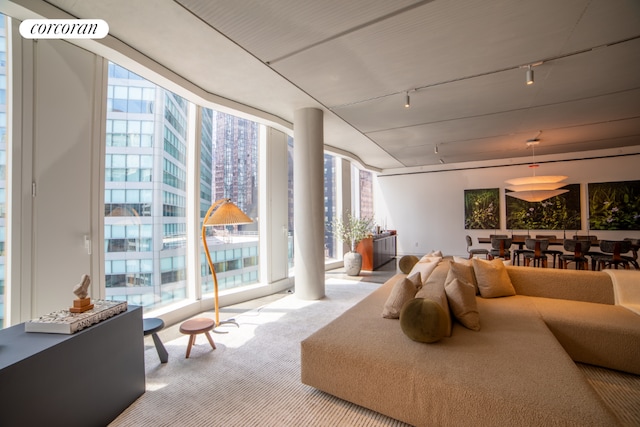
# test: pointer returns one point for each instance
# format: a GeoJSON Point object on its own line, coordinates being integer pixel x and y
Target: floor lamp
{"type": "Point", "coordinates": [227, 213]}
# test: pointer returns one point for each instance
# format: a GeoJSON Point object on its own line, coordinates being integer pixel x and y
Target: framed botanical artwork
{"type": "Point", "coordinates": [614, 205]}
{"type": "Point", "coordinates": [557, 213]}
{"type": "Point", "coordinates": [482, 209]}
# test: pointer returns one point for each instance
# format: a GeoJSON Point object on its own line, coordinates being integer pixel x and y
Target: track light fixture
{"type": "Point", "coordinates": [435, 149]}
{"type": "Point", "coordinates": [441, 161]}
{"type": "Point", "coordinates": [529, 76]}
{"type": "Point", "coordinates": [407, 100]}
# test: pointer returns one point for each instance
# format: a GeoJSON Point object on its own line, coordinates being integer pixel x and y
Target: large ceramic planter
{"type": "Point", "coordinates": [352, 263]}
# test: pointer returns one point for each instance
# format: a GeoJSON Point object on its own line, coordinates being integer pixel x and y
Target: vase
{"type": "Point", "coordinates": [352, 263]}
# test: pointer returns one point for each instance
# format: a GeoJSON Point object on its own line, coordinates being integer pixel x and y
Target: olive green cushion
{"type": "Point", "coordinates": [407, 262]}
{"type": "Point", "coordinates": [423, 320]}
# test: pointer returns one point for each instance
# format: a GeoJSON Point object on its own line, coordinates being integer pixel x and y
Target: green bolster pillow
{"type": "Point", "coordinates": [423, 320]}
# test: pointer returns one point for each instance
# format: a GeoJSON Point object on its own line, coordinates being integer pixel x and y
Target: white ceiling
{"type": "Point", "coordinates": [460, 61]}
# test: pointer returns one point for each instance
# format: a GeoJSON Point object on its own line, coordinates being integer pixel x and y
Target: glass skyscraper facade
{"type": "Point", "coordinates": [3, 160]}
{"type": "Point", "coordinates": [330, 191]}
{"type": "Point", "coordinates": [146, 193]}
{"type": "Point", "coordinates": [365, 185]}
{"type": "Point", "coordinates": [229, 169]}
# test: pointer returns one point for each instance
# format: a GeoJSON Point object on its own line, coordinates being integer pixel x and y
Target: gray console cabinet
{"type": "Point", "coordinates": [84, 379]}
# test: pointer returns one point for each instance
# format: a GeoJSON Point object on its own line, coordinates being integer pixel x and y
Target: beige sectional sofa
{"type": "Point", "coordinates": [518, 369]}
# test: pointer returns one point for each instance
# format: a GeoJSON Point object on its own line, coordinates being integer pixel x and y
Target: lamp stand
{"type": "Point", "coordinates": [213, 271]}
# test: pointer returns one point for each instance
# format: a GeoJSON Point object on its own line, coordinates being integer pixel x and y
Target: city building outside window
{"type": "Point", "coordinates": [330, 201]}
{"type": "Point", "coordinates": [4, 182]}
{"type": "Point", "coordinates": [365, 193]}
{"type": "Point", "coordinates": [290, 243]}
{"type": "Point", "coordinates": [145, 191]}
{"type": "Point", "coordinates": [229, 169]}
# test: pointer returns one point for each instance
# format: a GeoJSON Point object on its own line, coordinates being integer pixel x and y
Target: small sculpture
{"type": "Point", "coordinates": [82, 303]}
{"type": "Point", "coordinates": [81, 288]}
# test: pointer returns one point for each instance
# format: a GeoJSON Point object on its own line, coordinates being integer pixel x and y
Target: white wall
{"type": "Point", "coordinates": [59, 126]}
{"type": "Point", "coordinates": [427, 208]}
{"type": "Point", "coordinates": [274, 205]}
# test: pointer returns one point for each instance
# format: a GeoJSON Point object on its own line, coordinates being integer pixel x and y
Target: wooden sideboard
{"type": "Point", "coordinates": [377, 250]}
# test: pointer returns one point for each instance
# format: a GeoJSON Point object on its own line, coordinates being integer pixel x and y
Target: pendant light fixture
{"type": "Point", "coordinates": [536, 188]}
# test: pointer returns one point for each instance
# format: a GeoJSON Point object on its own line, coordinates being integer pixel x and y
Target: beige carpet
{"type": "Point", "coordinates": [620, 391]}
{"type": "Point", "coordinates": [253, 377]}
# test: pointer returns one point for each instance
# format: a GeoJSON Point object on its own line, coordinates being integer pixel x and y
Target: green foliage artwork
{"type": "Point", "coordinates": [482, 209]}
{"type": "Point", "coordinates": [557, 213]}
{"type": "Point", "coordinates": [614, 205]}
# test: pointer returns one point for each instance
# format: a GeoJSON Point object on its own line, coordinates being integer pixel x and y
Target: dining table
{"type": "Point", "coordinates": [520, 240]}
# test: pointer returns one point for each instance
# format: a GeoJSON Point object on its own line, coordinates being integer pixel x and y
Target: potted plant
{"type": "Point", "coordinates": [351, 231]}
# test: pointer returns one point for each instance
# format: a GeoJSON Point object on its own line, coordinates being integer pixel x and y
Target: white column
{"type": "Point", "coordinates": [308, 205]}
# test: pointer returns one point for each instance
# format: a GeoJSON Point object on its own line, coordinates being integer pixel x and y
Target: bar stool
{"type": "Point", "coordinates": [193, 327]}
{"type": "Point", "coordinates": [152, 326]}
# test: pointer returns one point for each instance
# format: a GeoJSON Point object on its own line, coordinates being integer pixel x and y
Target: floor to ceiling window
{"type": "Point", "coordinates": [146, 196]}
{"type": "Point", "coordinates": [330, 202]}
{"type": "Point", "coordinates": [145, 191]}
{"type": "Point", "coordinates": [290, 236]}
{"type": "Point", "coordinates": [229, 169]}
{"type": "Point", "coordinates": [365, 193]}
{"type": "Point", "coordinates": [3, 163]}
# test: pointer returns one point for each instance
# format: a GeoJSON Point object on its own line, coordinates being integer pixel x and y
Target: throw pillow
{"type": "Point", "coordinates": [431, 255]}
{"type": "Point", "coordinates": [462, 300]}
{"type": "Point", "coordinates": [407, 262]}
{"type": "Point", "coordinates": [402, 291]}
{"type": "Point", "coordinates": [462, 271]}
{"type": "Point", "coordinates": [461, 260]}
{"type": "Point", "coordinates": [425, 268]}
{"type": "Point", "coordinates": [433, 289]}
{"type": "Point", "coordinates": [423, 320]}
{"type": "Point", "coordinates": [493, 279]}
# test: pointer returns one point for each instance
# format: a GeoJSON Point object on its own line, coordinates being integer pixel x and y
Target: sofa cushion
{"type": "Point", "coordinates": [461, 296]}
{"type": "Point", "coordinates": [423, 320]}
{"type": "Point", "coordinates": [598, 334]}
{"type": "Point", "coordinates": [432, 254]}
{"type": "Point", "coordinates": [579, 285]}
{"type": "Point", "coordinates": [462, 269]}
{"type": "Point", "coordinates": [626, 288]}
{"type": "Point", "coordinates": [425, 268]}
{"type": "Point", "coordinates": [404, 289]}
{"type": "Point", "coordinates": [407, 262]}
{"type": "Point", "coordinates": [433, 289]}
{"type": "Point", "coordinates": [493, 279]}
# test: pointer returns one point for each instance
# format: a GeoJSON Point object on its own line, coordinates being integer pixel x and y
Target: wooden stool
{"type": "Point", "coordinates": [193, 327]}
